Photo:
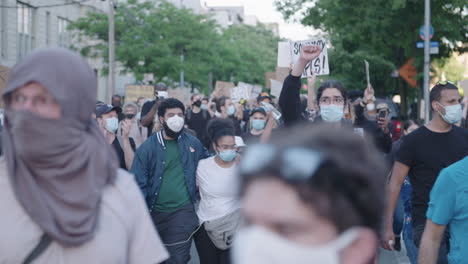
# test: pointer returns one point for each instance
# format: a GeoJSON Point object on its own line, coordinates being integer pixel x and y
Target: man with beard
{"type": "Point", "coordinates": [165, 167]}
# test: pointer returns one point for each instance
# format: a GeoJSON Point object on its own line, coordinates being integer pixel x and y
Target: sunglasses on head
{"type": "Point", "coordinates": [296, 163]}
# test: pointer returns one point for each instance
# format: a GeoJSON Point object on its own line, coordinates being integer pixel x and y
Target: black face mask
{"type": "Point", "coordinates": [170, 133]}
{"type": "Point", "coordinates": [197, 103]}
{"type": "Point", "coordinates": [129, 116]}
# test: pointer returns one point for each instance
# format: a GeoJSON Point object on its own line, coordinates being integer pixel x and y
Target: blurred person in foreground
{"type": "Point", "coordinates": [314, 196]}
{"type": "Point", "coordinates": [63, 197]}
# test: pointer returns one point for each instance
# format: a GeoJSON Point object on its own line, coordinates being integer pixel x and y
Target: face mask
{"type": "Point", "coordinates": [258, 124]}
{"type": "Point", "coordinates": [260, 246]}
{"type": "Point", "coordinates": [129, 116]}
{"type": "Point", "coordinates": [331, 113]}
{"type": "Point", "coordinates": [204, 107]}
{"type": "Point", "coordinates": [197, 103]}
{"type": "Point", "coordinates": [173, 126]}
{"type": "Point", "coordinates": [112, 124]}
{"type": "Point", "coordinates": [453, 113]}
{"type": "Point", "coordinates": [227, 155]}
{"type": "Point", "coordinates": [370, 107]}
{"type": "Point", "coordinates": [231, 110]}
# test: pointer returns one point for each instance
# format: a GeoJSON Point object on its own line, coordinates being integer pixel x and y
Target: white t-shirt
{"type": "Point", "coordinates": [218, 190]}
{"type": "Point", "coordinates": [125, 232]}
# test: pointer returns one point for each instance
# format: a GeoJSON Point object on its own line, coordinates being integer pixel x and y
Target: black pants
{"type": "Point", "coordinates": [208, 252]}
{"type": "Point", "coordinates": [175, 227]}
{"type": "Point", "coordinates": [418, 231]}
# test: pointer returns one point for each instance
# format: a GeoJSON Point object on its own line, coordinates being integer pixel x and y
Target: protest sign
{"type": "Point", "coordinates": [281, 73]}
{"type": "Point", "coordinates": [319, 65]}
{"type": "Point", "coordinates": [133, 92]}
{"type": "Point", "coordinates": [257, 89]}
{"type": "Point", "coordinates": [242, 91]}
{"type": "Point", "coordinates": [276, 88]}
{"type": "Point", "coordinates": [223, 88]}
{"type": "Point", "coordinates": [367, 73]}
{"type": "Point", "coordinates": [284, 54]}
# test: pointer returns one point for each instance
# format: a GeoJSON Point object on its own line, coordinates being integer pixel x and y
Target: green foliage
{"type": "Point", "coordinates": [157, 33]}
{"type": "Point", "coordinates": [385, 30]}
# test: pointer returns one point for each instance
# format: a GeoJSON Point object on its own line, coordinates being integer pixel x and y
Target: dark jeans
{"type": "Point", "coordinates": [418, 231]}
{"type": "Point", "coordinates": [398, 217]}
{"type": "Point", "coordinates": [175, 227]}
{"type": "Point", "coordinates": [208, 252]}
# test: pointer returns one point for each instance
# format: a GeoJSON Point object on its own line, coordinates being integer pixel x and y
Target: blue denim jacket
{"type": "Point", "coordinates": [149, 163]}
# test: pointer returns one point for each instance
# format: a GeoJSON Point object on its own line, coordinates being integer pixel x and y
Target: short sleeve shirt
{"type": "Point", "coordinates": [449, 206]}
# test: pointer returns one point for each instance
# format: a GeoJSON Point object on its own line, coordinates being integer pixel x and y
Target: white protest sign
{"type": "Point", "coordinates": [367, 73]}
{"type": "Point", "coordinates": [276, 88]}
{"type": "Point", "coordinates": [242, 91]}
{"type": "Point", "coordinates": [319, 65]}
{"type": "Point", "coordinates": [257, 89]}
{"type": "Point", "coordinates": [284, 54]}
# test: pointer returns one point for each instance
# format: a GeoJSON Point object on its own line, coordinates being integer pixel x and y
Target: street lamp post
{"type": "Point", "coordinates": [427, 57]}
{"type": "Point", "coordinates": [111, 80]}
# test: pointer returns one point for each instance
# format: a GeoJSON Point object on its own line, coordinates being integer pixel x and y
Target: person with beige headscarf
{"type": "Point", "coordinates": [63, 198]}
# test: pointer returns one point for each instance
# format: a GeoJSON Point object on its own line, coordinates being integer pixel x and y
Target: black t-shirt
{"type": "Point", "coordinates": [145, 110]}
{"type": "Point", "coordinates": [427, 153]}
{"type": "Point", "coordinates": [120, 152]}
{"type": "Point", "coordinates": [198, 123]}
{"type": "Point", "coordinates": [236, 124]}
{"type": "Point", "coordinates": [250, 138]}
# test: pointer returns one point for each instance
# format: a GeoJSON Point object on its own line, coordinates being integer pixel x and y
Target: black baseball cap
{"type": "Point", "coordinates": [102, 109]}
{"type": "Point", "coordinates": [258, 110]}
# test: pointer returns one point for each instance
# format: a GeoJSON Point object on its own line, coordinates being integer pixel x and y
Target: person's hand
{"type": "Point", "coordinates": [125, 126]}
{"type": "Point", "coordinates": [388, 239]}
{"type": "Point", "coordinates": [309, 53]}
{"type": "Point", "coordinates": [368, 94]}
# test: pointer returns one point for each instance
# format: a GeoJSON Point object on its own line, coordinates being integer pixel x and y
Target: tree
{"type": "Point", "coordinates": [385, 29]}
{"type": "Point", "coordinates": [157, 34]}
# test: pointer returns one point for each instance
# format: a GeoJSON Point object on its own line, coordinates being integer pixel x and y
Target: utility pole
{"type": "Point", "coordinates": [111, 80]}
{"type": "Point", "coordinates": [182, 82]}
{"type": "Point", "coordinates": [427, 58]}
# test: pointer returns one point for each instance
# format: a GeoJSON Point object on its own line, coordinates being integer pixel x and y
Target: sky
{"type": "Point", "coordinates": [265, 11]}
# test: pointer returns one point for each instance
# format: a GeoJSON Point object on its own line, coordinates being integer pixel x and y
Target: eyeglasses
{"type": "Point", "coordinates": [296, 163]}
{"type": "Point", "coordinates": [329, 100]}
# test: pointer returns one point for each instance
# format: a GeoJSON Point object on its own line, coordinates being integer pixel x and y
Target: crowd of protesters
{"type": "Point", "coordinates": [299, 179]}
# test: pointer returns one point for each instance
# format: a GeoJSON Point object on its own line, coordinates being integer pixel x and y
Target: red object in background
{"type": "Point", "coordinates": [398, 125]}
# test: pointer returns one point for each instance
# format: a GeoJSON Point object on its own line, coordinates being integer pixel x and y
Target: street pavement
{"type": "Point", "coordinates": [385, 257]}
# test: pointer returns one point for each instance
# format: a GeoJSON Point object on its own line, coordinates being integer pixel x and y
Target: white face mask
{"type": "Point", "coordinates": [258, 245]}
{"type": "Point", "coordinates": [112, 124]}
{"type": "Point", "coordinates": [331, 113]}
{"type": "Point", "coordinates": [175, 123]}
{"type": "Point", "coordinates": [453, 113]}
{"type": "Point", "coordinates": [370, 107]}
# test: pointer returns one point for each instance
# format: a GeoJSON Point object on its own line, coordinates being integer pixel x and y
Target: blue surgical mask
{"type": "Point", "coordinates": [231, 110]}
{"type": "Point", "coordinates": [204, 107]}
{"type": "Point", "coordinates": [331, 113]}
{"type": "Point", "coordinates": [453, 113]}
{"type": "Point", "coordinates": [258, 124]}
{"type": "Point", "coordinates": [112, 124]}
{"type": "Point", "coordinates": [227, 155]}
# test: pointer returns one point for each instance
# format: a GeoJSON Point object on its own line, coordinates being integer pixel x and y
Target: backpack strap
{"type": "Point", "coordinates": [43, 244]}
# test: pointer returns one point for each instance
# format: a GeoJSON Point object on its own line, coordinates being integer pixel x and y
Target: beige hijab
{"type": "Point", "coordinates": [58, 168]}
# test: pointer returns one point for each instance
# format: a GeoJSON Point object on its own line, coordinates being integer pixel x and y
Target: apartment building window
{"type": "Point", "coordinates": [63, 33]}
{"type": "Point", "coordinates": [3, 30]}
{"type": "Point", "coordinates": [26, 36]}
{"type": "Point", "coordinates": [47, 28]}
